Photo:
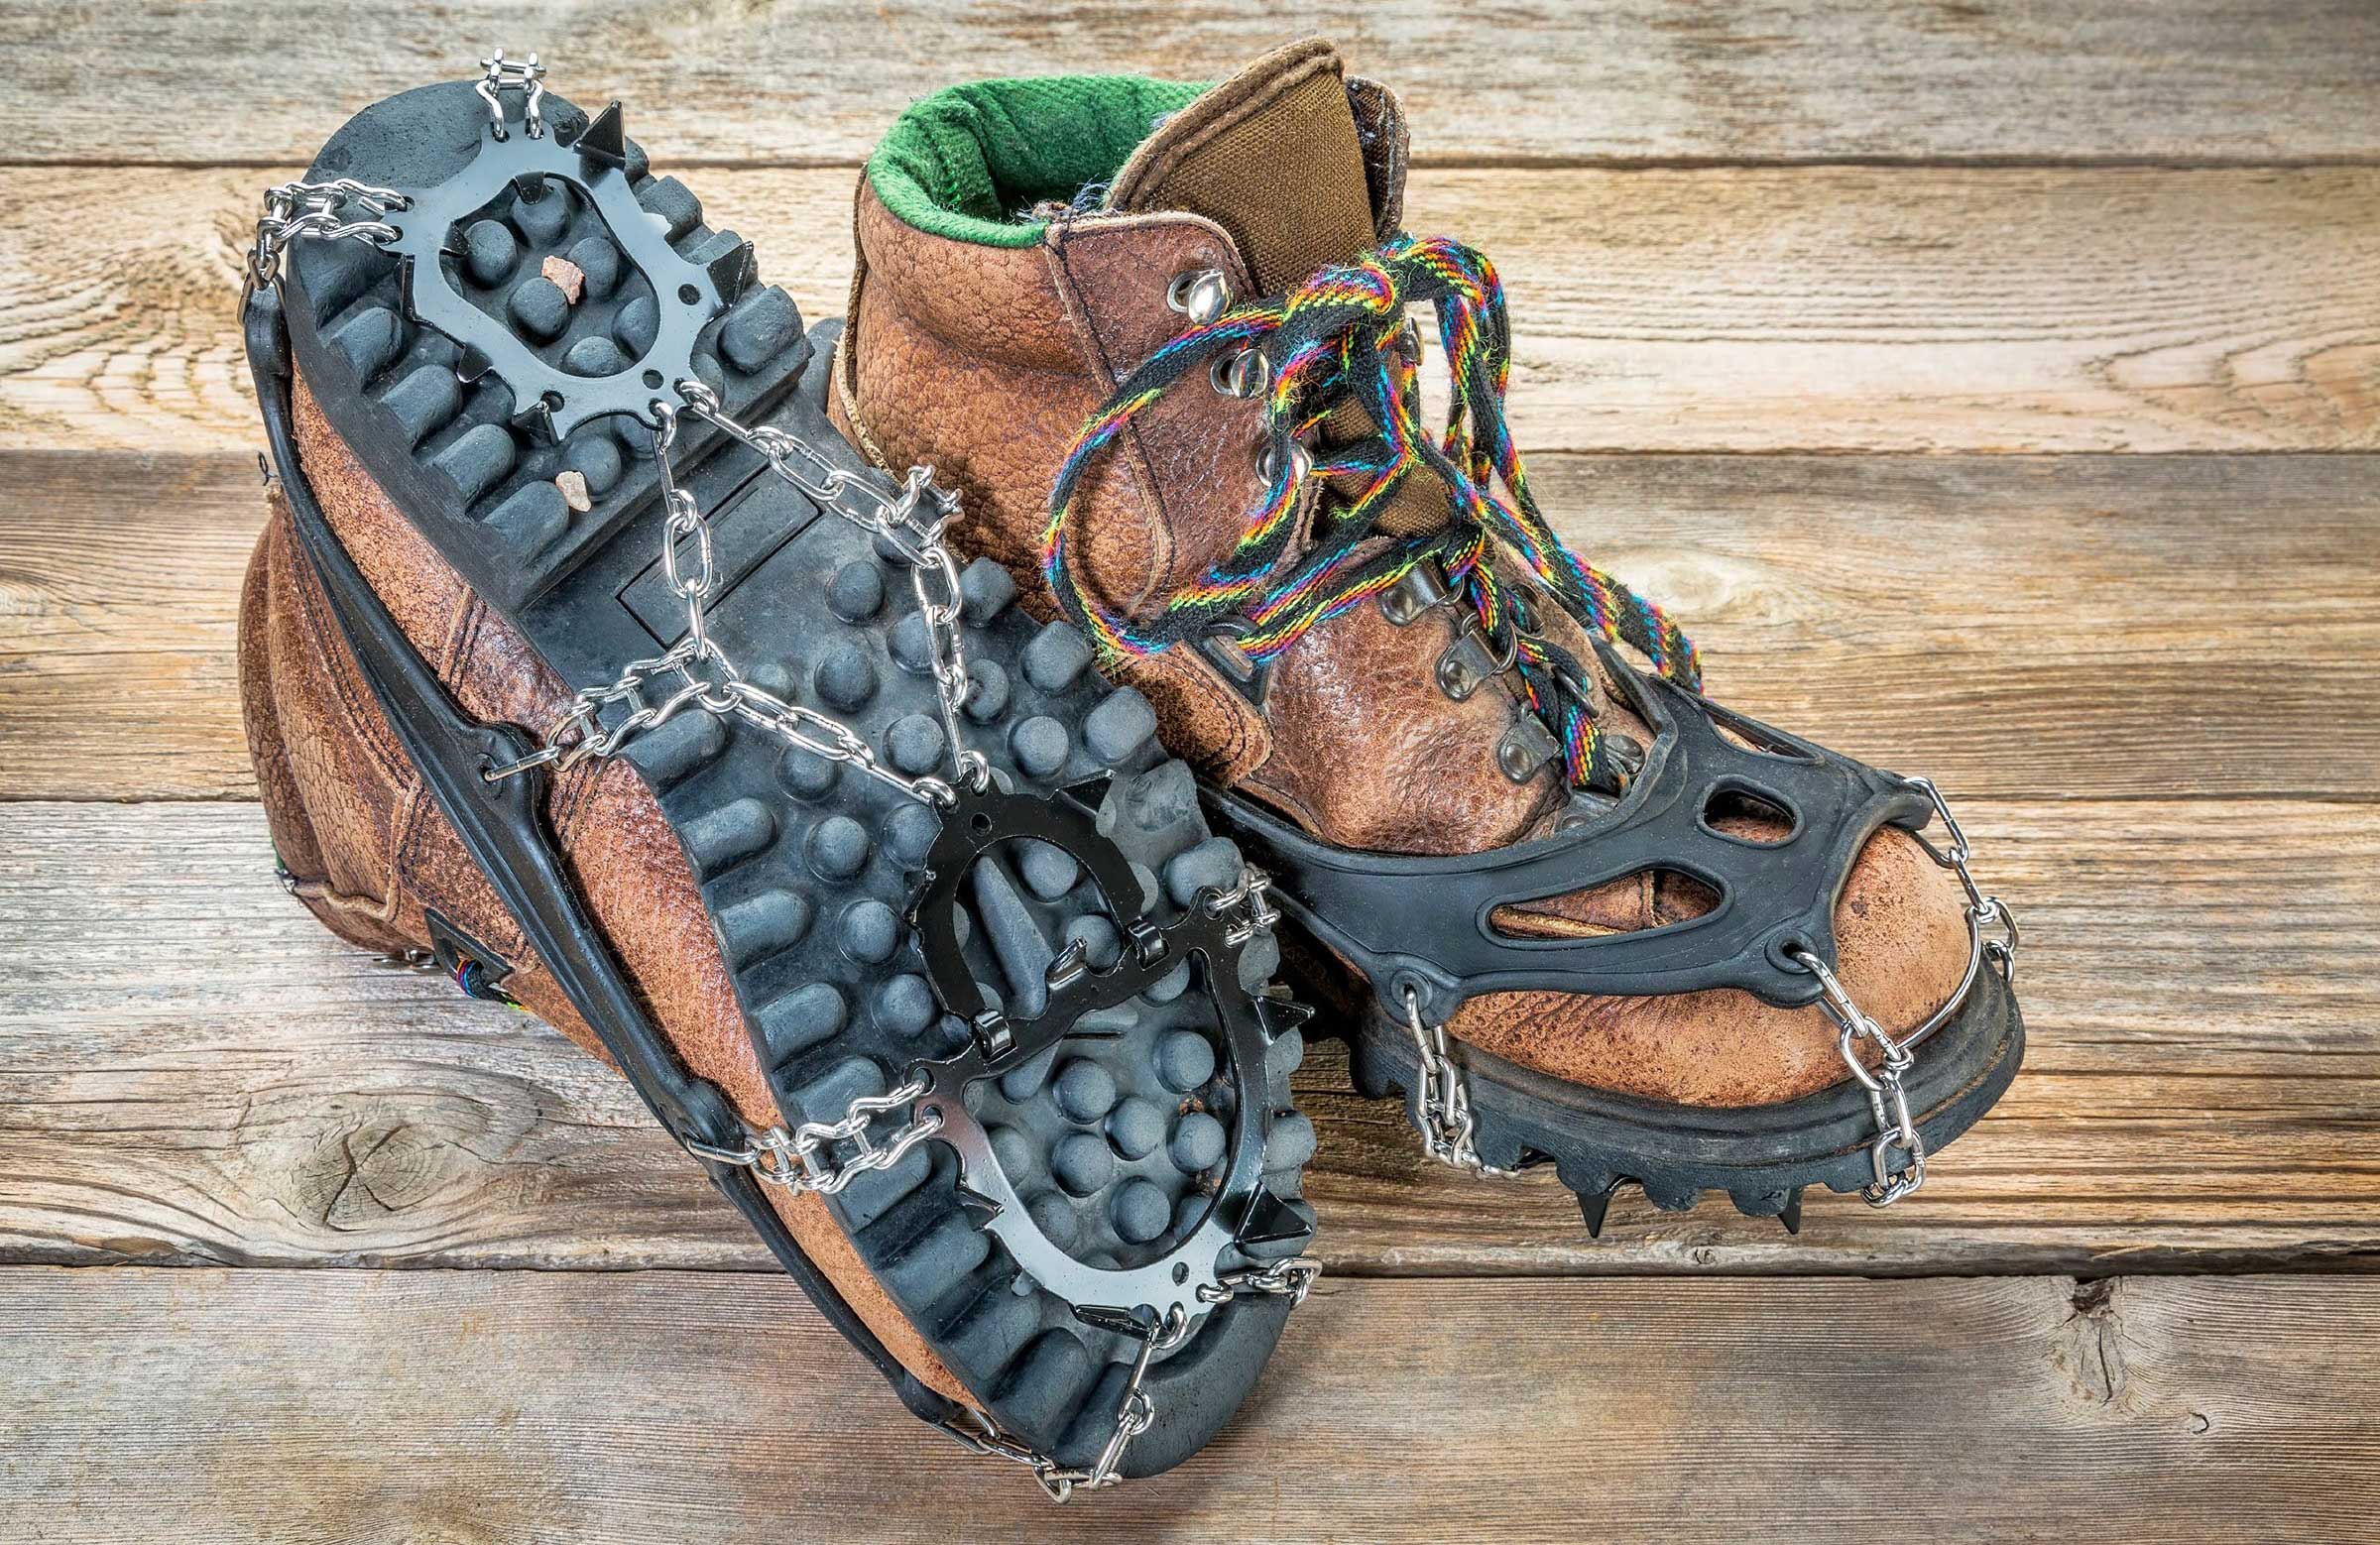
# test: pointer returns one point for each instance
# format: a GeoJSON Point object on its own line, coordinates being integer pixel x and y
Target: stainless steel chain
{"type": "Point", "coordinates": [1135, 1411]}
{"type": "Point", "coordinates": [1897, 1156]}
{"type": "Point", "coordinates": [803, 1160]}
{"type": "Point", "coordinates": [1442, 1099]}
{"type": "Point", "coordinates": [527, 77]}
{"type": "Point", "coordinates": [1249, 898]}
{"type": "Point", "coordinates": [696, 673]}
{"type": "Point", "coordinates": [1291, 1278]}
{"type": "Point", "coordinates": [327, 211]}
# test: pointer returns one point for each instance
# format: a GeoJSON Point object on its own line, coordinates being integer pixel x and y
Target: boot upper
{"type": "Point", "coordinates": [1023, 247]}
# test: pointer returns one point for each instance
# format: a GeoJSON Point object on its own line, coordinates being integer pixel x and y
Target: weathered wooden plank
{"type": "Point", "coordinates": [1823, 308]}
{"type": "Point", "coordinates": [2017, 627]}
{"type": "Point", "coordinates": [663, 1405]}
{"type": "Point", "coordinates": [191, 1070]}
{"type": "Point", "coordinates": [1623, 79]}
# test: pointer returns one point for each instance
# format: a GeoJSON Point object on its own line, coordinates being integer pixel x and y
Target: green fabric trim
{"type": "Point", "coordinates": [969, 162]}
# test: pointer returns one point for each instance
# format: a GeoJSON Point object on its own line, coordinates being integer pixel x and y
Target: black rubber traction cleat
{"type": "Point", "coordinates": [1065, 965]}
{"type": "Point", "coordinates": [1419, 929]}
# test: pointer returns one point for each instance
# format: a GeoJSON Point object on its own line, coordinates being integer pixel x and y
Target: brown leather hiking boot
{"type": "Point", "coordinates": [583, 660]}
{"type": "Point", "coordinates": [1156, 333]}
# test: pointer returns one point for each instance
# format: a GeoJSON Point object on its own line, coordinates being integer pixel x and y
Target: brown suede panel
{"type": "Point", "coordinates": [1356, 741]}
{"type": "Point", "coordinates": [371, 849]}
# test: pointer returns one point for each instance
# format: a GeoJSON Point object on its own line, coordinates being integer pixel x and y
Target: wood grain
{"type": "Point", "coordinates": [485, 1406]}
{"type": "Point", "coordinates": [1621, 80]}
{"type": "Point", "coordinates": [192, 1070]}
{"type": "Point", "coordinates": [1820, 308]}
{"type": "Point", "coordinates": [2018, 627]}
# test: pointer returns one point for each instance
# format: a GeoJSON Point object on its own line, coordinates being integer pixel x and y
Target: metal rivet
{"type": "Point", "coordinates": [1526, 747]}
{"type": "Point", "coordinates": [1301, 462]}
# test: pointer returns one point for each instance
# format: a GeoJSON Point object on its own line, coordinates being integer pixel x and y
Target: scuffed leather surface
{"type": "Point", "coordinates": [1372, 754]}
{"type": "Point", "coordinates": [371, 850]}
{"type": "Point", "coordinates": [1194, 450]}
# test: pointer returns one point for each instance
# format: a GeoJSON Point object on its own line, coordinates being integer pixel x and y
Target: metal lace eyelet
{"type": "Point", "coordinates": [1301, 462]}
{"type": "Point", "coordinates": [1239, 374]}
{"type": "Point", "coordinates": [1199, 293]}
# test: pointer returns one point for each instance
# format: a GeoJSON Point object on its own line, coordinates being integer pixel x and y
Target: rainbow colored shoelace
{"type": "Point", "coordinates": [1338, 334]}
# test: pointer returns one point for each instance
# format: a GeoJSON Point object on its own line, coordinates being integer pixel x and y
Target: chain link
{"type": "Point", "coordinates": [1442, 1099]}
{"type": "Point", "coordinates": [803, 1160]}
{"type": "Point", "coordinates": [1291, 1278]}
{"type": "Point", "coordinates": [327, 211]}
{"type": "Point", "coordinates": [911, 522]}
{"type": "Point", "coordinates": [527, 77]}
{"type": "Point", "coordinates": [1897, 1156]}
{"type": "Point", "coordinates": [1135, 1411]}
{"type": "Point", "coordinates": [707, 679]}
{"type": "Point", "coordinates": [1250, 900]}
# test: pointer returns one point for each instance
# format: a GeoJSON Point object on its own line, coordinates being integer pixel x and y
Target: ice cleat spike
{"type": "Point", "coordinates": [1272, 1221]}
{"type": "Point", "coordinates": [472, 365]}
{"type": "Point", "coordinates": [1790, 1214]}
{"type": "Point", "coordinates": [535, 422]}
{"type": "Point", "coordinates": [1592, 1206]}
{"type": "Point", "coordinates": [1282, 1015]}
{"type": "Point", "coordinates": [733, 272]}
{"type": "Point", "coordinates": [604, 140]}
{"type": "Point", "coordinates": [1088, 795]}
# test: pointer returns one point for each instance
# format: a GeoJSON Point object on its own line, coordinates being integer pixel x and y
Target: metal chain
{"type": "Point", "coordinates": [505, 74]}
{"type": "Point", "coordinates": [1442, 1099]}
{"type": "Point", "coordinates": [1291, 1278]}
{"type": "Point", "coordinates": [327, 211]}
{"type": "Point", "coordinates": [911, 522]}
{"type": "Point", "coordinates": [705, 677]}
{"type": "Point", "coordinates": [1248, 897]}
{"type": "Point", "coordinates": [802, 1159]}
{"type": "Point", "coordinates": [1135, 1411]}
{"type": "Point", "coordinates": [1897, 1156]}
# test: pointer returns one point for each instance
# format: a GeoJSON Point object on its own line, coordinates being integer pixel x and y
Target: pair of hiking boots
{"type": "Point", "coordinates": [609, 647]}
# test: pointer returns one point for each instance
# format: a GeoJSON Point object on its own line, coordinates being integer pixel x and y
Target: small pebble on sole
{"type": "Point", "coordinates": [568, 277]}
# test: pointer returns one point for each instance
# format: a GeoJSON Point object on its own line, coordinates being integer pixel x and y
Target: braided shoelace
{"type": "Point", "coordinates": [1339, 333]}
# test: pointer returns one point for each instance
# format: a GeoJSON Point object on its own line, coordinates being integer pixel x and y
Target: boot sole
{"type": "Point", "coordinates": [807, 869]}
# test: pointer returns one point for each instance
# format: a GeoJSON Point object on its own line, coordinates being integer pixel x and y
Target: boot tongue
{"type": "Point", "coordinates": [1271, 156]}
